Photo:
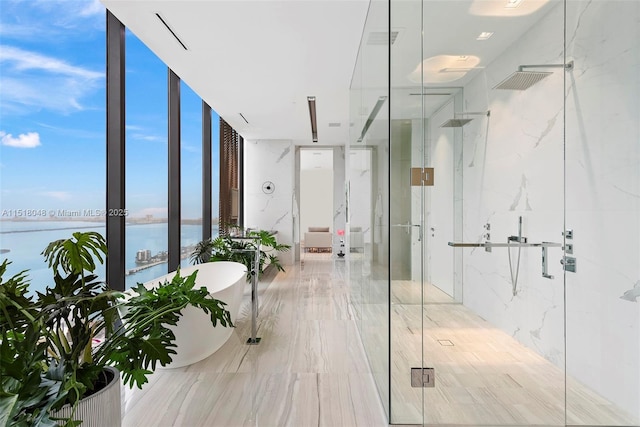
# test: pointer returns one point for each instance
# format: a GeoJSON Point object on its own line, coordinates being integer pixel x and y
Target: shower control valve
{"type": "Point", "coordinates": [568, 263]}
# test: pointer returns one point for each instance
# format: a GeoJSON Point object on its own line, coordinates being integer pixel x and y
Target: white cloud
{"type": "Point", "coordinates": [50, 19]}
{"type": "Point", "coordinates": [18, 31]}
{"type": "Point", "coordinates": [145, 137]}
{"type": "Point", "coordinates": [32, 81]}
{"type": "Point", "coordinates": [23, 60]}
{"type": "Point", "coordinates": [24, 140]}
{"type": "Point", "coordinates": [58, 195]}
{"type": "Point", "coordinates": [141, 133]}
{"type": "Point", "coordinates": [93, 8]}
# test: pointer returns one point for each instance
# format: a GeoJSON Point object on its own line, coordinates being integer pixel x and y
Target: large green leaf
{"type": "Point", "coordinates": [76, 254]}
{"type": "Point", "coordinates": [8, 404]}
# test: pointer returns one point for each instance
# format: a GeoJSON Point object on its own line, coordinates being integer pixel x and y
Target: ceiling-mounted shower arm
{"type": "Point", "coordinates": [473, 113]}
{"type": "Point", "coordinates": [458, 123]}
{"type": "Point", "coordinates": [567, 66]}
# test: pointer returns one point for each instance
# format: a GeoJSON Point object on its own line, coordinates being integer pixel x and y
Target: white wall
{"type": "Point", "coordinates": [362, 192]}
{"type": "Point", "coordinates": [517, 169]}
{"type": "Point", "coordinates": [270, 160]}
{"type": "Point", "coordinates": [339, 195]}
{"type": "Point", "coordinates": [316, 199]}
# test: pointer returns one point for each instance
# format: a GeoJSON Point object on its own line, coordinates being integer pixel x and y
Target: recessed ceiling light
{"type": "Point", "coordinates": [513, 3]}
{"type": "Point", "coordinates": [484, 35]}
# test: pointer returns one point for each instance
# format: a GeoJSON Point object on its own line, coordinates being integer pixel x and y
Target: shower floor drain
{"type": "Point", "coordinates": [445, 342]}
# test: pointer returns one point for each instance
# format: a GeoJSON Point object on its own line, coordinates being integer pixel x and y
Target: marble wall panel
{"type": "Point", "coordinates": [270, 160]}
{"type": "Point", "coordinates": [516, 167]}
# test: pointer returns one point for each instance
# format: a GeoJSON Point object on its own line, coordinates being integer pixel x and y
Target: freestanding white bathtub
{"type": "Point", "coordinates": [196, 338]}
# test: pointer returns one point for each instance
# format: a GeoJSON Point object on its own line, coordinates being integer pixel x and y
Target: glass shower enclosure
{"type": "Point", "coordinates": [499, 145]}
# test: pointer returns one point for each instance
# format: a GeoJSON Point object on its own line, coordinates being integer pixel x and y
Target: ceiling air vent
{"type": "Point", "coordinates": [173, 33]}
{"type": "Point", "coordinates": [382, 37]}
{"type": "Point", "coordinates": [311, 100]}
{"type": "Point", "coordinates": [334, 124]}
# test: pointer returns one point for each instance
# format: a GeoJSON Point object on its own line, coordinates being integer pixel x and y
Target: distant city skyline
{"type": "Point", "coordinates": [52, 116]}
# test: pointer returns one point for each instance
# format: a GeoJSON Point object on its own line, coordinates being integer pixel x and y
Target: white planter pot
{"type": "Point", "coordinates": [101, 409]}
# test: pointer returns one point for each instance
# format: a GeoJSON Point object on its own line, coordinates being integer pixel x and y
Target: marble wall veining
{"type": "Point", "coordinates": [603, 197]}
{"type": "Point", "coordinates": [270, 160]}
{"type": "Point", "coordinates": [515, 166]}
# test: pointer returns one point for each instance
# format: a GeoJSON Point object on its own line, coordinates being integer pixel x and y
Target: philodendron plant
{"type": "Point", "coordinates": [228, 248]}
{"type": "Point", "coordinates": [48, 354]}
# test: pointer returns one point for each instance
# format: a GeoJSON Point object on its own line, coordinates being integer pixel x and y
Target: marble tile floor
{"type": "Point", "coordinates": [308, 370]}
{"type": "Point", "coordinates": [483, 376]}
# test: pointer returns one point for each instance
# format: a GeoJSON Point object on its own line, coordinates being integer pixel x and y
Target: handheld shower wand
{"type": "Point", "coordinates": [519, 239]}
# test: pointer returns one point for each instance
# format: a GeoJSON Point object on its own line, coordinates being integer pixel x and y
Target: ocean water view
{"type": "Point", "coordinates": [26, 240]}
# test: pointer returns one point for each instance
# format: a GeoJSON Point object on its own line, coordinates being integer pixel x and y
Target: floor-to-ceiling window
{"type": "Point", "coordinates": [146, 163]}
{"type": "Point", "coordinates": [191, 171]}
{"type": "Point", "coordinates": [52, 157]}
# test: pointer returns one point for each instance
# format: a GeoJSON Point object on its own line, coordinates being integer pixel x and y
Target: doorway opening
{"type": "Point", "coordinates": [316, 200]}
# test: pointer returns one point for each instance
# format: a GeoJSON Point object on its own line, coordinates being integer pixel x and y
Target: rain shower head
{"type": "Point", "coordinates": [523, 80]}
{"type": "Point", "coordinates": [455, 123]}
{"type": "Point", "coordinates": [458, 122]}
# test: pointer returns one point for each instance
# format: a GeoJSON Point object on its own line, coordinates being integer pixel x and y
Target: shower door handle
{"type": "Point", "coordinates": [408, 226]}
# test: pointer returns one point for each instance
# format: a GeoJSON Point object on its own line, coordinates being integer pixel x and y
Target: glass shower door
{"type": "Point", "coordinates": [406, 275]}
{"type": "Point", "coordinates": [408, 180]}
{"type": "Point", "coordinates": [493, 304]}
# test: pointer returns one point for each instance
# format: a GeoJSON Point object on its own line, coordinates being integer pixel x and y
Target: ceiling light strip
{"type": "Point", "coordinates": [312, 116]}
{"type": "Point", "coordinates": [171, 31]}
{"type": "Point", "coordinates": [372, 117]}
{"type": "Point", "coordinates": [243, 118]}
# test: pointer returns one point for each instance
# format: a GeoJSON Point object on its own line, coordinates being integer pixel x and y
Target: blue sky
{"type": "Point", "coordinates": [52, 114]}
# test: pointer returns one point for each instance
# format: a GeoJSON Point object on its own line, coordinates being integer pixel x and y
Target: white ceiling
{"type": "Point", "coordinates": [259, 58]}
{"type": "Point", "coordinates": [262, 58]}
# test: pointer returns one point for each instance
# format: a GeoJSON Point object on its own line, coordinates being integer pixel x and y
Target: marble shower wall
{"type": "Point", "coordinates": [603, 198]}
{"type": "Point", "coordinates": [270, 160]}
{"type": "Point", "coordinates": [514, 166]}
